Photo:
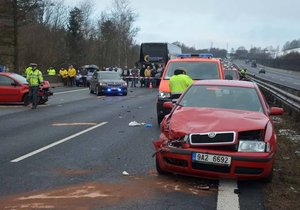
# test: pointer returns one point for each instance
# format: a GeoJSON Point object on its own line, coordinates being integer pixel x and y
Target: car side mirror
{"type": "Point", "coordinates": [276, 111]}
{"type": "Point", "coordinates": [168, 105]}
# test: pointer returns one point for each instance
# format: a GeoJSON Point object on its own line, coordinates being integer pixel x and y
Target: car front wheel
{"type": "Point", "coordinates": [91, 90]}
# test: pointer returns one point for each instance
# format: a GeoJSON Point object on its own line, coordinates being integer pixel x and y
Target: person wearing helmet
{"type": "Point", "coordinates": [180, 81]}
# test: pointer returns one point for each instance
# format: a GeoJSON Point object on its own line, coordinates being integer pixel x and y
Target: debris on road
{"type": "Point", "coordinates": [134, 124]}
{"type": "Point", "coordinates": [125, 173]}
{"type": "Point", "coordinates": [286, 158]}
{"type": "Point", "coordinates": [148, 125]}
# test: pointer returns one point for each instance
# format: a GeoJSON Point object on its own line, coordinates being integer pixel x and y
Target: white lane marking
{"type": "Point", "coordinates": [227, 199]}
{"type": "Point", "coordinates": [56, 143]}
{"type": "Point", "coordinates": [69, 91]}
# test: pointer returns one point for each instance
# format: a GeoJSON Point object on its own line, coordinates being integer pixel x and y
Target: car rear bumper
{"type": "Point", "coordinates": [243, 165]}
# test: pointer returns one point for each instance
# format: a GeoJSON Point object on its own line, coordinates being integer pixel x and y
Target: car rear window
{"type": "Point", "coordinates": [224, 97]}
{"type": "Point", "coordinates": [196, 70]}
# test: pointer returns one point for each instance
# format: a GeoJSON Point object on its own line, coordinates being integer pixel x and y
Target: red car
{"type": "Point", "coordinates": [218, 129]}
{"type": "Point", "coordinates": [14, 89]}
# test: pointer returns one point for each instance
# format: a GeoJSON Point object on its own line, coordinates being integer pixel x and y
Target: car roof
{"type": "Point", "coordinates": [7, 73]}
{"type": "Point", "coordinates": [232, 83]}
{"type": "Point", "coordinates": [108, 72]}
{"type": "Point", "coordinates": [195, 59]}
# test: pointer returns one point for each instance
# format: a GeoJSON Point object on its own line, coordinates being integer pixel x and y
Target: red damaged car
{"type": "Point", "coordinates": [14, 89]}
{"type": "Point", "coordinates": [218, 129]}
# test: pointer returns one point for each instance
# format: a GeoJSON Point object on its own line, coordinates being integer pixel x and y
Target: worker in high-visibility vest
{"type": "Point", "coordinates": [51, 71]}
{"type": "Point", "coordinates": [63, 73]}
{"type": "Point", "coordinates": [34, 78]}
{"type": "Point", "coordinates": [179, 82]}
{"type": "Point", "coordinates": [71, 73]}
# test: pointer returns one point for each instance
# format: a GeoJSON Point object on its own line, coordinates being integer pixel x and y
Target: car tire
{"type": "Point", "coordinates": [125, 94]}
{"type": "Point", "coordinates": [26, 100]}
{"type": "Point", "coordinates": [158, 167]}
{"type": "Point", "coordinates": [159, 119]}
{"type": "Point", "coordinates": [91, 90]}
{"type": "Point", "coordinates": [98, 92]}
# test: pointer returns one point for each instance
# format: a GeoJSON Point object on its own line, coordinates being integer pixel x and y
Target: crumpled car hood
{"type": "Point", "coordinates": [186, 120]}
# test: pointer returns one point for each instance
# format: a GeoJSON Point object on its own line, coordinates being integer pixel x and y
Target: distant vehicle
{"type": "Point", "coordinates": [107, 83]}
{"type": "Point", "coordinates": [218, 129]}
{"type": "Point", "coordinates": [158, 53]}
{"type": "Point", "coordinates": [231, 74]}
{"type": "Point", "coordinates": [253, 64]}
{"type": "Point", "coordinates": [198, 66]}
{"type": "Point", "coordinates": [90, 70]}
{"type": "Point", "coordinates": [262, 71]}
{"type": "Point", "coordinates": [14, 89]}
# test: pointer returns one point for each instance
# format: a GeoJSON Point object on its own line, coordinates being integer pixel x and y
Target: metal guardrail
{"type": "Point", "coordinates": [286, 95]}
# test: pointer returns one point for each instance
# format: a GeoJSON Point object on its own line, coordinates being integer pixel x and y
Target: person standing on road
{"type": "Point", "coordinates": [51, 71]}
{"type": "Point", "coordinates": [28, 69]}
{"type": "Point", "coordinates": [64, 76]}
{"type": "Point", "coordinates": [71, 74]}
{"type": "Point", "coordinates": [84, 73]}
{"type": "Point", "coordinates": [147, 76]}
{"type": "Point", "coordinates": [125, 74]}
{"type": "Point", "coordinates": [142, 76]}
{"type": "Point", "coordinates": [179, 82]}
{"type": "Point", "coordinates": [34, 78]}
{"type": "Point", "coordinates": [134, 74]}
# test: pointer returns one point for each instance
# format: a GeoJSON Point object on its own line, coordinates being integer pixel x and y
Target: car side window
{"type": "Point", "coordinates": [5, 81]}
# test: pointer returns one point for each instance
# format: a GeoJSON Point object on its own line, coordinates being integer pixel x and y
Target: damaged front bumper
{"type": "Point", "coordinates": [243, 165]}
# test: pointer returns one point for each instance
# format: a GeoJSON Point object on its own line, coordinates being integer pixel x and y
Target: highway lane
{"type": "Point", "coordinates": [85, 171]}
{"type": "Point", "coordinates": [280, 76]}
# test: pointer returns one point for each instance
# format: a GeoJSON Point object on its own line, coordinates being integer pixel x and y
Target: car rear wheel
{"type": "Point", "coordinates": [125, 94]}
{"type": "Point", "coordinates": [158, 167]}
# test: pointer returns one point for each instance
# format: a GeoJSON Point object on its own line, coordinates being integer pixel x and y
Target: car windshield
{"type": "Point", "coordinates": [196, 70]}
{"type": "Point", "coordinates": [109, 75]}
{"type": "Point", "coordinates": [90, 70]}
{"type": "Point", "coordinates": [223, 97]}
{"type": "Point", "coordinates": [20, 78]}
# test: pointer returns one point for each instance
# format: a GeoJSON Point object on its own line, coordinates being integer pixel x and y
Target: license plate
{"type": "Point", "coordinates": [211, 159]}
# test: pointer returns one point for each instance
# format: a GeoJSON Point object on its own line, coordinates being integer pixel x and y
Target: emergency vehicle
{"type": "Point", "coordinates": [198, 67]}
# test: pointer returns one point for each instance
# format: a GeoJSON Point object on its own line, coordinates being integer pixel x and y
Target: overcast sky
{"type": "Point", "coordinates": [202, 23]}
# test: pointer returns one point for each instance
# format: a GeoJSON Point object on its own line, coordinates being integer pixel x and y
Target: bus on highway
{"type": "Point", "coordinates": [158, 53]}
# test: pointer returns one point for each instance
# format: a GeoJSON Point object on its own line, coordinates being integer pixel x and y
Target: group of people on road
{"type": "Point", "coordinates": [68, 76]}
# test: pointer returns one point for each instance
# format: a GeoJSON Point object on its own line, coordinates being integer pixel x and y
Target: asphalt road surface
{"type": "Point", "coordinates": [280, 76]}
{"type": "Point", "coordinates": [78, 152]}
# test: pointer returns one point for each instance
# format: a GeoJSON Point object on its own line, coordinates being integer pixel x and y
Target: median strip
{"type": "Point", "coordinates": [56, 143]}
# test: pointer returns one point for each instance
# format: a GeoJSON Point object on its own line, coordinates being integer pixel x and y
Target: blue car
{"type": "Point", "coordinates": [107, 83]}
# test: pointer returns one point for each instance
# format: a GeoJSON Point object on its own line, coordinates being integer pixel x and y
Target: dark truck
{"type": "Point", "coordinates": [157, 53]}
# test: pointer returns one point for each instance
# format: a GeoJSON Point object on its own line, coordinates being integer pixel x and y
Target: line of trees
{"type": "Point", "coordinates": [49, 33]}
{"type": "Point", "coordinates": [291, 45]}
